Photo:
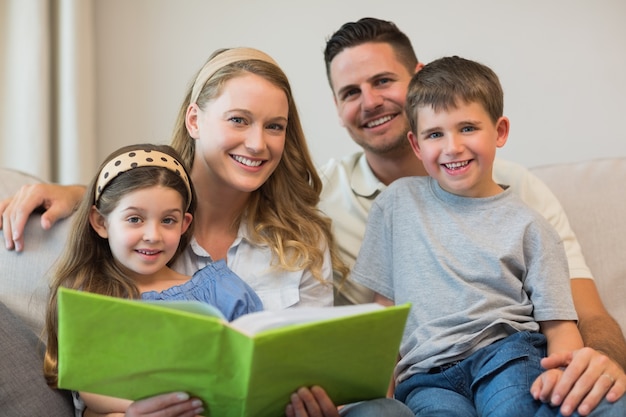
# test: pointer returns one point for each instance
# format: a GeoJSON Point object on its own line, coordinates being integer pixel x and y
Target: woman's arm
{"type": "Point", "coordinates": [57, 202]}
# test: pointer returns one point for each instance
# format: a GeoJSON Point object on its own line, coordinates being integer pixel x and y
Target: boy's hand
{"type": "Point", "coordinates": [543, 387]}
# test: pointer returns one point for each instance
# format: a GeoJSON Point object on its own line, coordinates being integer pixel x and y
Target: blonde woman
{"type": "Point", "coordinates": [257, 191]}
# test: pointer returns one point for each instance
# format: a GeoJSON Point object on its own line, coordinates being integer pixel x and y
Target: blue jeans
{"type": "Point", "coordinates": [381, 407]}
{"type": "Point", "coordinates": [494, 381]}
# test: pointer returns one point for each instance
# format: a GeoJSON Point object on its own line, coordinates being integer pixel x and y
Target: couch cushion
{"type": "Point", "coordinates": [23, 389]}
{"type": "Point", "coordinates": [592, 194]}
{"type": "Point", "coordinates": [23, 276]}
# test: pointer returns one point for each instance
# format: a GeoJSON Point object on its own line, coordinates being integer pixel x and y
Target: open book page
{"type": "Point", "coordinates": [265, 320]}
{"type": "Point", "coordinates": [190, 306]}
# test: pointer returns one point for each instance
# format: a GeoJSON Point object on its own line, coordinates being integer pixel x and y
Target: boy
{"type": "Point", "coordinates": [484, 272]}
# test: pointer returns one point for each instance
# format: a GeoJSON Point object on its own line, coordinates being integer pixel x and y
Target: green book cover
{"type": "Point", "coordinates": [134, 349]}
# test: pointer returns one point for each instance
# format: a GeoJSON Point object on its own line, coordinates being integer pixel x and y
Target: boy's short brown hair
{"type": "Point", "coordinates": [443, 82]}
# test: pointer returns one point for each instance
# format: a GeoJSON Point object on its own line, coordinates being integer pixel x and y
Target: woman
{"type": "Point", "coordinates": [238, 128]}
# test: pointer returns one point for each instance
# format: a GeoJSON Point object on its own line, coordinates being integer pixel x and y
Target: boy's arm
{"type": "Point", "coordinates": [561, 335]}
{"type": "Point", "coordinates": [562, 338]}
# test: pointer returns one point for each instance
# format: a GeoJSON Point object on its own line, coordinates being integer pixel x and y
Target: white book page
{"type": "Point", "coordinates": [190, 306]}
{"type": "Point", "coordinates": [264, 320]}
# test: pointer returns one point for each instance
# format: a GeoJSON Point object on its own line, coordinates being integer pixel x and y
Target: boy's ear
{"type": "Point", "coordinates": [414, 145]}
{"type": "Point", "coordinates": [502, 127]}
{"type": "Point", "coordinates": [98, 222]}
{"type": "Point", "coordinates": [191, 120]}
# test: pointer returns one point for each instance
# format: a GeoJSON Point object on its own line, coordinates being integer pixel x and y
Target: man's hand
{"type": "Point", "coordinates": [57, 201]}
{"type": "Point", "coordinates": [588, 377]}
{"type": "Point", "coordinates": [313, 402]}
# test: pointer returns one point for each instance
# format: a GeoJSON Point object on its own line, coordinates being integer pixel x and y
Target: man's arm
{"type": "Point", "coordinates": [599, 330]}
{"type": "Point", "coordinates": [595, 371]}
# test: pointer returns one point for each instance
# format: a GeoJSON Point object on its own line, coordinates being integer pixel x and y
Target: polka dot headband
{"type": "Point", "coordinates": [140, 158]}
{"type": "Point", "coordinates": [221, 60]}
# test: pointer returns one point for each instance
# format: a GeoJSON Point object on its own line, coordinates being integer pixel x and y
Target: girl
{"type": "Point", "coordinates": [134, 221]}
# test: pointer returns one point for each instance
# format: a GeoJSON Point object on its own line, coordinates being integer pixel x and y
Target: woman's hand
{"type": "Point", "coordinates": [313, 402]}
{"type": "Point", "coordinates": [57, 201]}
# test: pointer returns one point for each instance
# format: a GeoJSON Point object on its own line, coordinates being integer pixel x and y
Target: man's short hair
{"type": "Point", "coordinates": [369, 29]}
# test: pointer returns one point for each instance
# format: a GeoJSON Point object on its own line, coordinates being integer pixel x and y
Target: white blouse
{"type": "Point", "coordinates": [277, 288]}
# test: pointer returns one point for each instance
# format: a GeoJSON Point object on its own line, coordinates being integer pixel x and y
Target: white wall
{"type": "Point", "coordinates": [562, 63]}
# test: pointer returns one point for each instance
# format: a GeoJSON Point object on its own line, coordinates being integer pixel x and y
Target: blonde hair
{"type": "Point", "coordinates": [87, 263]}
{"type": "Point", "coordinates": [282, 213]}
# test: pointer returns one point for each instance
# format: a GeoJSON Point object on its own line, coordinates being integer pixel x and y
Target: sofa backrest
{"type": "Point", "coordinates": [23, 275]}
{"type": "Point", "coordinates": [592, 194]}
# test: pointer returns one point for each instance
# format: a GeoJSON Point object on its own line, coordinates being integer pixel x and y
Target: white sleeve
{"type": "Point", "coordinates": [537, 195]}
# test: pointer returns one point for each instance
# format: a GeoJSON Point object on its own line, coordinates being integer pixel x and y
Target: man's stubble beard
{"type": "Point", "coordinates": [399, 145]}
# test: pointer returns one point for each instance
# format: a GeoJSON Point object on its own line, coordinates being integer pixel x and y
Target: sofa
{"type": "Point", "coordinates": [590, 192]}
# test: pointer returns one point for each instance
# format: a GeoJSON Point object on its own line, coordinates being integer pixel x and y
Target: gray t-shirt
{"type": "Point", "coordinates": [475, 269]}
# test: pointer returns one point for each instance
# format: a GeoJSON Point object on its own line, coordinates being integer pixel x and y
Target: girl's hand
{"type": "Point", "coordinates": [177, 404]}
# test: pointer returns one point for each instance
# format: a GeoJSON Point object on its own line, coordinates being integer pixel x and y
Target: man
{"type": "Point", "coordinates": [369, 64]}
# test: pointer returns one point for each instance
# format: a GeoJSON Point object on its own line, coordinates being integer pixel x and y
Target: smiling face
{"type": "Point", "coordinates": [369, 86]}
{"type": "Point", "coordinates": [240, 135]}
{"type": "Point", "coordinates": [144, 229]}
{"type": "Point", "coordinates": [457, 146]}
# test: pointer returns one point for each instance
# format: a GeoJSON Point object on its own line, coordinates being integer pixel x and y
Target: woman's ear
{"type": "Point", "coordinates": [191, 120]}
{"type": "Point", "coordinates": [98, 222]}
